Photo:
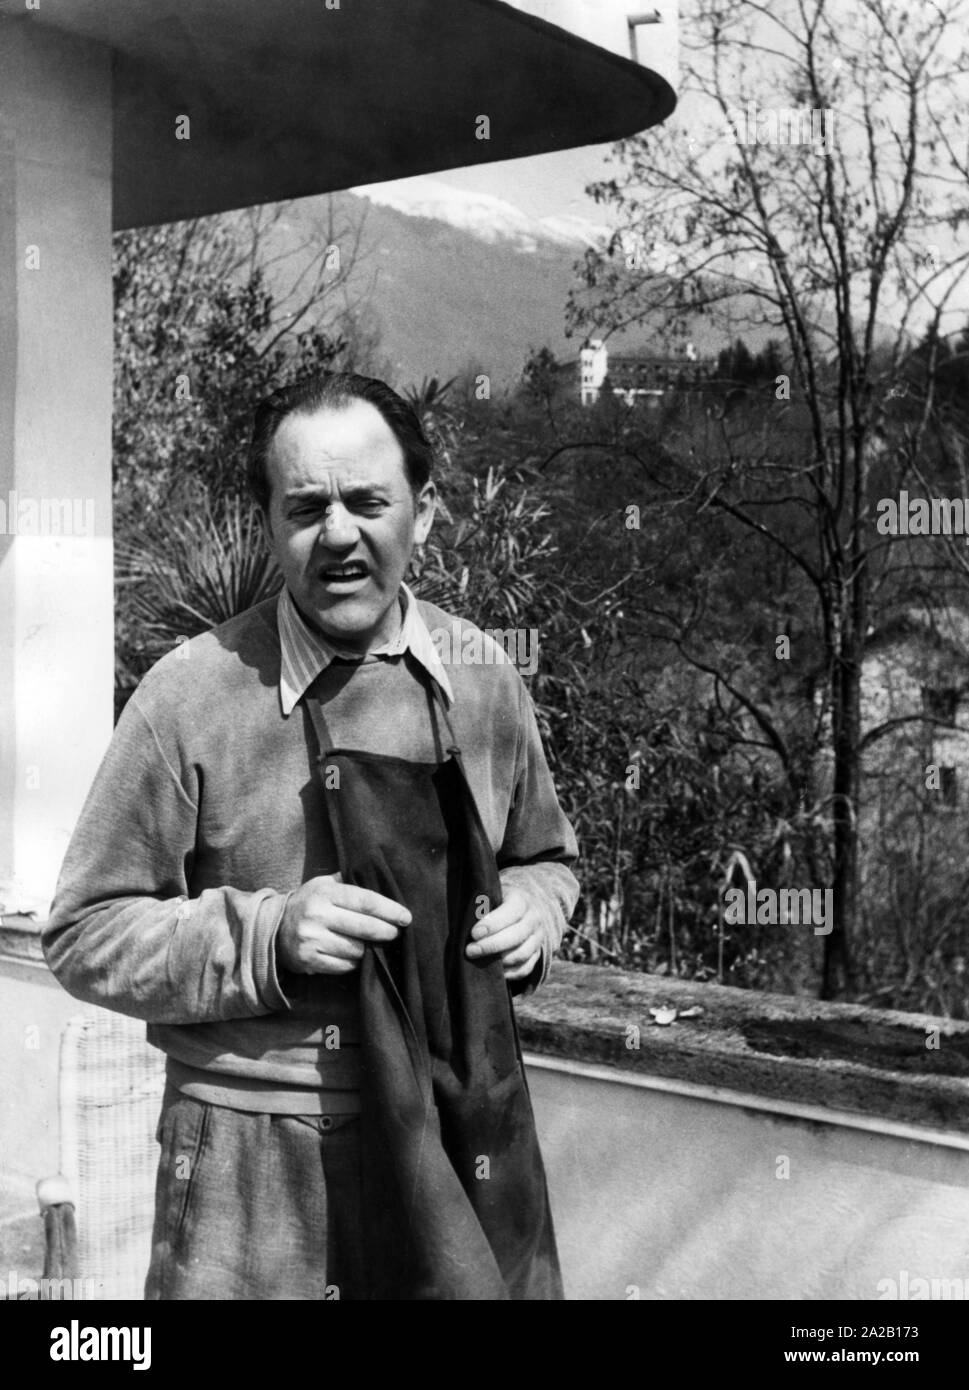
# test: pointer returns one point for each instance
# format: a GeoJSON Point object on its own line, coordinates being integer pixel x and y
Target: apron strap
{"type": "Point", "coordinates": [435, 731]}
{"type": "Point", "coordinates": [324, 742]}
{"type": "Point", "coordinates": [438, 705]}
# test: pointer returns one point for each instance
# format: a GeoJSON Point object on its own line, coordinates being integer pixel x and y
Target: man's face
{"type": "Point", "coordinates": [343, 520]}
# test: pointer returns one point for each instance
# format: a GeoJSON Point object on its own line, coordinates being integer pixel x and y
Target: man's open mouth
{"type": "Point", "coordinates": [338, 575]}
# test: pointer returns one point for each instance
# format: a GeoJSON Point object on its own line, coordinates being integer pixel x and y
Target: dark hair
{"type": "Point", "coordinates": [335, 391]}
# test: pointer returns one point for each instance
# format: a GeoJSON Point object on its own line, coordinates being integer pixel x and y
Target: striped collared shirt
{"type": "Point", "coordinates": [305, 653]}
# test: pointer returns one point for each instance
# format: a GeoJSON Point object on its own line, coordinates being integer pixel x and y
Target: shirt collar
{"type": "Point", "coordinates": [305, 654]}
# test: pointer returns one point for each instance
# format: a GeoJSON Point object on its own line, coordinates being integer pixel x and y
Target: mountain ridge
{"type": "Point", "coordinates": [451, 293]}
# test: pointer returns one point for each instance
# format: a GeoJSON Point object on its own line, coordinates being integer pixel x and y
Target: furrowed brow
{"type": "Point", "coordinates": [362, 492]}
{"type": "Point", "coordinates": [307, 494]}
{"type": "Point", "coordinates": [358, 492]}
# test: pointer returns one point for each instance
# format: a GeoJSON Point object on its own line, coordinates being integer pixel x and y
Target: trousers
{"type": "Point", "coordinates": [254, 1206]}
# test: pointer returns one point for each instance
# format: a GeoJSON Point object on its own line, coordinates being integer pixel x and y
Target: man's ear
{"type": "Point", "coordinates": [424, 507]}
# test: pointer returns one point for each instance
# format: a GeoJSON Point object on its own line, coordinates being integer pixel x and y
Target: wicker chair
{"type": "Point", "coordinates": [110, 1091]}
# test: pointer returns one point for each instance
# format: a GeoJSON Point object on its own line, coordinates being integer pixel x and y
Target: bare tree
{"type": "Point", "coordinates": [208, 313]}
{"type": "Point", "coordinates": [813, 184]}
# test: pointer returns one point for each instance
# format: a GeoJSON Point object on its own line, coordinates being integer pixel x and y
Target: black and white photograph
{"type": "Point", "coordinates": [484, 665]}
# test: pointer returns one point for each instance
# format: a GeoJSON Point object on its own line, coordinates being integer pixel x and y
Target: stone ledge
{"type": "Point", "coordinates": [846, 1057]}
{"type": "Point", "coordinates": [20, 937]}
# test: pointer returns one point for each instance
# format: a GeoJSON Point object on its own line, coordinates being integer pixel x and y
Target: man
{"type": "Point", "coordinates": [317, 861]}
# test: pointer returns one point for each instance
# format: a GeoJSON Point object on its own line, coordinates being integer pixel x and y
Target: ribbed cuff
{"type": "Point", "coordinates": [268, 921]}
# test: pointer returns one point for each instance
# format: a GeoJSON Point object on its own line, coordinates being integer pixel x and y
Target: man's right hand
{"type": "Point", "coordinates": [327, 925]}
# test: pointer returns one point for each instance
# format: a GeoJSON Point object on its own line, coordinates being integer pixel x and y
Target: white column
{"type": "Point", "coordinates": [56, 595]}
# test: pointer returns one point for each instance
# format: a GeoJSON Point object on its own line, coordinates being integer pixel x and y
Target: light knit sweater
{"type": "Point", "coordinates": [206, 812]}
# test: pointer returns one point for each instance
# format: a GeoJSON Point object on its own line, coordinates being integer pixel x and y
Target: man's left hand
{"type": "Point", "coordinates": [514, 931]}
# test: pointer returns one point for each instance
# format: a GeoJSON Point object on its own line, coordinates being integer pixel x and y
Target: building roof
{"type": "Point", "coordinates": [288, 98]}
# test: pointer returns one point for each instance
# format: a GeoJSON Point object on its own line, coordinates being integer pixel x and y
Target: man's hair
{"type": "Point", "coordinates": [336, 391]}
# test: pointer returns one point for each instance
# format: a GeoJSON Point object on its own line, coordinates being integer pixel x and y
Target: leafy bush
{"type": "Point", "coordinates": [208, 564]}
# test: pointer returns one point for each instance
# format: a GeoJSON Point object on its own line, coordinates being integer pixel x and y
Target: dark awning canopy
{"type": "Point", "coordinates": [288, 98]}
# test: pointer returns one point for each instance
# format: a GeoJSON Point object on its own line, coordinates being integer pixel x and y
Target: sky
{"type": "Point", "coordinates": [545, 185]}
{"type": "Point", "coordinates": [552, 186]}
{"type": "Point", "coordinates": [547, 188]}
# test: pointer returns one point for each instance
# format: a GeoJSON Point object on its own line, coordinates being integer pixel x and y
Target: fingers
{"type": "Point", "coordinates": [510, 911]}
{"type": "Point", "coordinates": [331, 965]}
{"type": "Point", "coordinates": [522, 972]}
{"type": "Point", "coordinates": [354, 924]}
{"type": "Point", "coordinates": [312, 950]}
{"type": "Point", "coordinates": [514, 932]}
{"type": "Point", "coordinates": [527, 951]}
{"type": "Point", "coordinates": [505, 928]}
{"type": "Point", "coordinates": [326, 923]}
{"type": "Point", "coordinates": [332, 889]}
{"type": "Point", "coordinates": [342, 937]}
{"type": "Point", "coordinates": [332, 944]}
{"type": "Point", "coordinates": [510, 939]}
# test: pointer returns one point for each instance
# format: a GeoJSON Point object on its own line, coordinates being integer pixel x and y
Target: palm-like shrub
{"type": "Point", "coordinates": [208, 563]}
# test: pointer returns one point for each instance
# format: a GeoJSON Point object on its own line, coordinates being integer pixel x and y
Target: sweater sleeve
{"type": "Point", "coordinates": [539, 847]}
{"type": "Point", "coordinates": [123, 932]}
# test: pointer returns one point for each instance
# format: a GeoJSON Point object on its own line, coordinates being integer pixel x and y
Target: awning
{"type": "Point", "coordinates": [288, 98]}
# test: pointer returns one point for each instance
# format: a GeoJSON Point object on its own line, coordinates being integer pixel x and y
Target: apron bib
{"type": "Point", "coordinates": [455, 1204]}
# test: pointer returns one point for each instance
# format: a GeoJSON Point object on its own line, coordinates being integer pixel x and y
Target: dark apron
{"type": "Point", "coordinates": [455, 1204]}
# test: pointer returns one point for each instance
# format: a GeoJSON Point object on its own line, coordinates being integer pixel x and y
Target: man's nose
{"type": "Point", "coordinates": [339, 528]}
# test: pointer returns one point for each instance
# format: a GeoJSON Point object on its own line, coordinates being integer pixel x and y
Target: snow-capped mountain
{"type": "Point", "coordinates": [482, 215]}
{"type": "Point", "coordinates": [451, 281]}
